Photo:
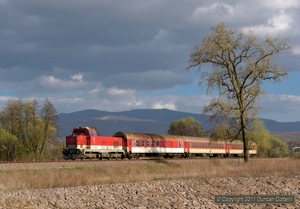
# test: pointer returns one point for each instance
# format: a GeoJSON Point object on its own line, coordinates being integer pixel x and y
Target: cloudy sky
{"type": "Point", "coordinates": [117, 55]}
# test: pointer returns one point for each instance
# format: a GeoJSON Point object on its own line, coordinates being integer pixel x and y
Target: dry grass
{"type": "Point", "coordinates": [136, 171]}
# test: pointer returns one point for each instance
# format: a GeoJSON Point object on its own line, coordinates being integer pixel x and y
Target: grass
{"type": "Point", "coordinates": [110, 172]}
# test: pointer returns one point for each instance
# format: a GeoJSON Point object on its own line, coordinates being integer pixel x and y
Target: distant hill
{"type": "Point", "coordinates": [150, 121]}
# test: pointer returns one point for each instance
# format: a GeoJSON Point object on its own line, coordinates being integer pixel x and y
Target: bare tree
{"type": "Point", "coordinates": [241, 62]}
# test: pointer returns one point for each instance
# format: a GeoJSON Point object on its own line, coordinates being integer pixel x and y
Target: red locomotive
{"type": "Point", "coordinates": [85, 143]}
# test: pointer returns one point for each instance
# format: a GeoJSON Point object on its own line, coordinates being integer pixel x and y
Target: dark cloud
{"type": "Point", "coordinates": [121, 47]}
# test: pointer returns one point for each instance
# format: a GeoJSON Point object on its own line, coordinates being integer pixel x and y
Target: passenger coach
{"type": "Point", "coordinates": [139, 144]}
{"type": "Point", "coordinates": [85, 143]}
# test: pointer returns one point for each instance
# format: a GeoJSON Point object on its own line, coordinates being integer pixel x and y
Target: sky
{"type": "Point", "coordinates": [117, 55]}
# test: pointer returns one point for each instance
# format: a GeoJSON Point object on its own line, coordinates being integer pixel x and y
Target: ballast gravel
{"type": "Point", "coordinates": [184, 193]}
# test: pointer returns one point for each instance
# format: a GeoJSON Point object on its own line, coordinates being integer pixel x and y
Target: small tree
{"type": "Point", "coordinates": [187, 127]}
{"type": "Point", "coordinates": [223, 132]}
{"type": "Point", "coordinates": [258, 134]}
{"type": "Point", "coordinates": [8, 145]}
{"type": "Point", "coordinates": [241, 62]}
{"type": "Point", "coordinates": [50, 118]}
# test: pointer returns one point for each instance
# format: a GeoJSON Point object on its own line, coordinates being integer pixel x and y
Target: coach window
{"type": "Point", "coordinates": [157, 143]}
{"type": "Point", "coordinates": [163, 143]}
{"type": "Point", "coordinates": [137, 143]}
{"type": "Point", "coordinates": [147, 143]}
{"type": "Point", "coordinates": [153, 143]}
{"type": "Point", "coordinates": [143, 143]}
{"type": "Point", "coordinates": [181, 144]}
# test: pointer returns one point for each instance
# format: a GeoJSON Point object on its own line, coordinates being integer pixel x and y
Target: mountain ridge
{"type": "Point", "coordinates": [146, 121]}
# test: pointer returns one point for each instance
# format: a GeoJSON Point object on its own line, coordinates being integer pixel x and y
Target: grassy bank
{"type": "Point", "coordinates": [109, 172]}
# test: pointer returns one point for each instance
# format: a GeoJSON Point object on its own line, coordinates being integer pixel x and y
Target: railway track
{"type": "Point", "coordinates": [110, 159]}
{"type": "Point", "coordinates": [61, 164]}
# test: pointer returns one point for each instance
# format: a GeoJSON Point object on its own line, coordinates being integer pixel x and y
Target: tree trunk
{"type": "Point", "coordinates": [245, 141]}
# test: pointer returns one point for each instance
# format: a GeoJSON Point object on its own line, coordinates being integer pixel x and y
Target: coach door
{"type": "Point", "coordinates": [227, 149]}
{"type": "Point", "coordinates": [124, 143]}
{"type": "Point", "coordinates": [186, 147]}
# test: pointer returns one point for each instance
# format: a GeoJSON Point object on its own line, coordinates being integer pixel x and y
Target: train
{"type": "Point", "coordinates": [85, 143]}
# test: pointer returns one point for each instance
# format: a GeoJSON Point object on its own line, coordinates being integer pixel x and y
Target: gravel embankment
{"type": "Point", "coordinates": [185, 193]}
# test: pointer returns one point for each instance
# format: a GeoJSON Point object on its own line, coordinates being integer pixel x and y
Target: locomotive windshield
{"type": "Point", "coordinates": [77, 132]}
{"type": "Point", "coordinates": [84, 132]}
{"type": "Point", "coordinates": [92, 132]}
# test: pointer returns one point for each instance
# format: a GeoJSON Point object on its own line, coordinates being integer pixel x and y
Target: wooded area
{"type": "Point", "coordinates": [28, 131]}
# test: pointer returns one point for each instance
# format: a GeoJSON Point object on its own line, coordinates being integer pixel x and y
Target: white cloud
{"type": "Point", "coordinates": [282, 107]}
{"type": "Point", "coordinates": [77, 77]}
{"type": "Point", "coordinates": [296, 50]}
{"type": "Point", "coordinates": [114, 91]}
{"type": "Point", "coordinates": [56, 83]}
{"type": "Point", "coordinates": [215, 8]}
{"type": "Point", "coordinates": [279, 23]}
{"type": "Point", "coordinates": [162, 105]}
{"type": "Point", "coordinates": [95, 91]}
{"type": "Point", "coordinates": [280, 4]}
{"type": "Point", "coordinates": [4, 99]}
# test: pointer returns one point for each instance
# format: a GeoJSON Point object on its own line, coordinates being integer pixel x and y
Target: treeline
{"type": "Point", "coordinates": [28, 131]}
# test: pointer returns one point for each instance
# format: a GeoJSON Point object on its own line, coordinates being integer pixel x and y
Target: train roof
{"type": "Point", "coordinates": [134, 135]}
{"type": "Point", "coordinates": [137, 136]}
